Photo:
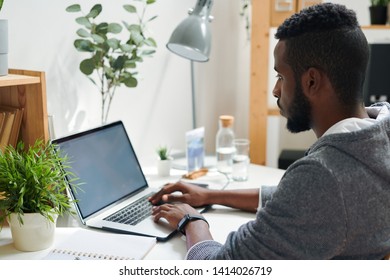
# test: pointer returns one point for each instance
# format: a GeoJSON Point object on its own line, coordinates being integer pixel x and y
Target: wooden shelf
{"type": "Point", "coordinates": [27, 89]}
{"type": "Point", "coordinates": [376, 27]}
{"type": "Point", "coordinates": [15, 80]}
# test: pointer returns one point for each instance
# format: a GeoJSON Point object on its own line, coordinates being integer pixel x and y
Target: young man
{"type": "Point", "coordinates": [335, 202]}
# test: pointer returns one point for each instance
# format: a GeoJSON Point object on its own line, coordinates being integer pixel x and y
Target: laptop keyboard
{"type": "Point", "coordinates": [133, 213]}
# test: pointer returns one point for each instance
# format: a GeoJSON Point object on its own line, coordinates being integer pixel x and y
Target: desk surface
{"type": "Point", "coordinates": [222, 219]}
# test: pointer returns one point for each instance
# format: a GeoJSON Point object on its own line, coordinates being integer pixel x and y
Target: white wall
{"type": "Point", "coordinates": [158, 111]}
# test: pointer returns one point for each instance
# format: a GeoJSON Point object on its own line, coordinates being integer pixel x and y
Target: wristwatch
{"type": "Point", "coordinates": [186, 219]}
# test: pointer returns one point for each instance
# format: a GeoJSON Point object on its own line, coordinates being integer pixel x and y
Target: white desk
{"type": "Point", "coordinates": [222, 220]}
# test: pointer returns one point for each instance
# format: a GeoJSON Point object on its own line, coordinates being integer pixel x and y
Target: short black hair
{"type": "Point", "coordinates": [328, 37]}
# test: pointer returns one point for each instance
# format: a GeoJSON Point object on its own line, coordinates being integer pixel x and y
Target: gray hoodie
{"type": "Point", "coordinates": [332, 204]}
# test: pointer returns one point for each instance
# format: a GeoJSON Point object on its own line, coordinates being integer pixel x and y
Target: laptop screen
{"type": "Point", "coordinates": [105, 162]}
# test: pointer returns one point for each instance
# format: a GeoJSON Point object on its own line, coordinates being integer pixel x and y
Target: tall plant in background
{"type": "Point", "coordinates": [245, 12]}
{"type": "Point", "coordinates": [112, 60]}
{"type": "Point", "coordinates": [1, 4]}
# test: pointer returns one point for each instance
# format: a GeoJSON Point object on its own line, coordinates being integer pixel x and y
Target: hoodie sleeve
{"type": "Point", "coordinates": [265, 194]}
{"type": "Point", "coordinates": [304, 219]}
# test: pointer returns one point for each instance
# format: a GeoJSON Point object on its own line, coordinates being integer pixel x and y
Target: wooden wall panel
{"type": "Point", "coordinates": [281, 9]}
{"type": "Point", "coordinates": [261, 14]}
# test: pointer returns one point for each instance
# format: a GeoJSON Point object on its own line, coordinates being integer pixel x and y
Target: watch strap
{"type": "Point", "coordinates": [188, 218]}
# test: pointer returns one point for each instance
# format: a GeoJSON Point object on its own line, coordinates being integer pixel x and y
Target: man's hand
{"type": "Point", "coordinates": [173, 213]}
{"type": "Point", "coordinates": [196, 231]}
{"type": "Point", "coordinates": [191, 194]}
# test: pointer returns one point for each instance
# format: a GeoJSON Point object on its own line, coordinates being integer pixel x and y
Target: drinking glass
{"type": "Point", "coordinates": [241, 160]}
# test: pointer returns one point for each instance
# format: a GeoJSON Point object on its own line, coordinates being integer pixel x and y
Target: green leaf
{"type": "Point", "coordinates": [130, 82]}
{"type": "Point", "coordinates": [134, 27]}
{"type": "Point", "coordinates": [109, 74]}
{"type": "Point", "coordinates": [130, 8]}
{"type": "Point", "coordinates": [71, 9]}
{"type": "Point", "coordinates": [148, 52]}
{"type": "Point", "coordinates": [95, 11]}
{"type": "Point", "coordinates": [98, 58]}
{"type": "Point", "coordinates": [87, 66]}
{"type": "Point", "coordinates": [101, 28]}
{"type": "Point", "coordinates": [114, 28]}
{"type": "Point", "coordinates": [98, 39]}
{"type": "Point", "coordinates": [152, 18]}
{"type": "Point", "coordinates": [150, 42]}
{"type": "Point", "coordinates": [113, 43]}
{"type": "Point", "coordinates": [127, 26]}
{"type": "Point", "coordinates": [130, 64]}
{"type": "Point", "coordinates": [83, 45]}
{"type": "Point", "coordinates": [119, 62]}
{"type": "Point", "coordinates": [84, 21]}
{"type": "Point", "coordinates": [127, 48]}
{"type": "Point", "coordinates": [136, 37]}
{"type": "Point", "coordinates": [83, 33]}
{"type": "Point", "coordinates": [150, 2]}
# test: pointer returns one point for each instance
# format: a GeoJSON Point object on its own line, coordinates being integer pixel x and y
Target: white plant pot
{"type": "Point", "coordinates": [36, 233]}
{"type": "Point", "coordinates": [164, 167]}
{"type": "Point", "coordinates": [3, 47]}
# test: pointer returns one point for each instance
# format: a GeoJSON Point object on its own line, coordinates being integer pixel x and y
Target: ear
{"type": "Point", "coordinates": [312, 81]}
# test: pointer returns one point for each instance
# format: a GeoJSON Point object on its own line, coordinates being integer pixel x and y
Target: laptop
{"type": "Point", "coordinates": [111, 179]}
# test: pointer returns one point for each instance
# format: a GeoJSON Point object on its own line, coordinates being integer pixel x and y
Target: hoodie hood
{"type": "Point", "coordinates": [379, 111]}
{"type": "Point", "coordinates": [369, 147]}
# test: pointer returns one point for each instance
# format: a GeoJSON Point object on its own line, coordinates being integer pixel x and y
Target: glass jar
{"type": "Point", "coordinates": [225, 144]}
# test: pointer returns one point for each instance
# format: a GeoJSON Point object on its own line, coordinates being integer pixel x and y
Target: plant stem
{"type": "Point", "coordinates": [111, 96]}
{"type": "Point", "coordinates": [103, 95]}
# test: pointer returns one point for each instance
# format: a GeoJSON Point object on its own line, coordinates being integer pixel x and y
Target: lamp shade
{"type": "Point", "coordinates": [192, 37]}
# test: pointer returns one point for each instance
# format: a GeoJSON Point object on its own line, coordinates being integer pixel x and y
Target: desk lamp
{"type": "Point", "coordinates": [192, 40]}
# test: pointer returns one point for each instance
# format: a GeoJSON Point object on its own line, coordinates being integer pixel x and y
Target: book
{"type": "Point", "coordinates": [86, 244]}
{"type": "Point", "coordinates": [2, 118]}
{"type": "Point", "coordinates": [14, 137]}
{"type": "Point", "coordinates": [11, 121]}
{"type": "Point", "coordinates": [6, 129]}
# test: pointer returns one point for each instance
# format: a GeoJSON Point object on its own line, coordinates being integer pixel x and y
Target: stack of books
{"type": "Point", "coordinates": [10, 123]}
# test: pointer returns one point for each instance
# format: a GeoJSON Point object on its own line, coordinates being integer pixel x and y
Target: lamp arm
{"type": "Point", "coordinates": [202, 8]}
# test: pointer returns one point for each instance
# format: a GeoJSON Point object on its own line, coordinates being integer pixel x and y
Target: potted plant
{"type": "Point", "coordinates": [378, 11]}
{"type": "Point", "coordinates": [33, 193]}
{"type": "Point", "coordinates": [112, 61]}
{"type": "Point", "coordinates": [3, 44]}
{"type": "Point", "coordinates": [164, 161]}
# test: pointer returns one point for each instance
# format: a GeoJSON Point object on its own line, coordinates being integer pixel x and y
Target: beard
{"type": "Point", "coordinates": [299, 112]}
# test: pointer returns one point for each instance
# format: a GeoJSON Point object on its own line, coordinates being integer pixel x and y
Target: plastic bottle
{"type": "Point", "coordinates": [225, 144]}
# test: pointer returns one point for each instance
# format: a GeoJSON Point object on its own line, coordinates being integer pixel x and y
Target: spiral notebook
{"type": "Point", "coordinates": [95, 245]}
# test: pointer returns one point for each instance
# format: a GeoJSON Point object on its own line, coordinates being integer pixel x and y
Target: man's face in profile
{"type": "Point", "coordinates": [292, 101]}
